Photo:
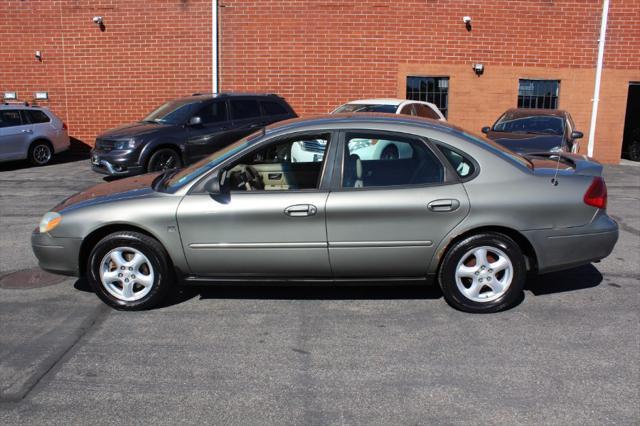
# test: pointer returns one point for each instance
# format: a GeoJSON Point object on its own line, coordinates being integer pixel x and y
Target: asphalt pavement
{"type": "Point", "coordinates": [567, 354]}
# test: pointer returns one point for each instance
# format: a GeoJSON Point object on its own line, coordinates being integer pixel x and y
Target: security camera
{"type": "Point", "coordinates": [98, 20]}
{"type": "Point", "coordinates": [466, 19]}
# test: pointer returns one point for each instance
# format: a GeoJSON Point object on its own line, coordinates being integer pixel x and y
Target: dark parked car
{"type": "Point", "coordinates": [185, 130]}
{"type": "Point", "coordinates": [535, 130]}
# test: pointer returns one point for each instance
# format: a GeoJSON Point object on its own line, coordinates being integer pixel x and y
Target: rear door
{"type": "Point", "coordinates": [270, 226]}
{"type": "Point", "coordinates": [214, 132]}
{"type": "Point", "coordinates": [15, 134]}
{"type": "Point", "coordinates": [388, 215]}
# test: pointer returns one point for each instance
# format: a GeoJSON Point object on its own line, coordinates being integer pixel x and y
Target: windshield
{"type": "Point", "coordinates": [173, 112]}
{"type": "Point", "coordinates": [537, 124]}
{"type": "Point", "coordinates": [188, 174]}
{"type": "Point", "coordinates": [366, 108]}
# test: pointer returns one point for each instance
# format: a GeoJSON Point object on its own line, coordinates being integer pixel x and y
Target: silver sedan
{"type": "Point", "coordinates": [457, 209]}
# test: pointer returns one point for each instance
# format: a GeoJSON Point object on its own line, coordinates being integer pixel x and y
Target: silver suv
{"type": "Point", "coordinates": [31, 132]}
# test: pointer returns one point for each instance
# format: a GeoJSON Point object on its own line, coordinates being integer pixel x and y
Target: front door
{"type": "Point", "coordinates": [14, 135]}
{"type": "Point", "coordinates": [391, 212]}
{"type": "Point", "coordinates": [269, 221]}
{"type": "Point", "coordinates": [213, 132]}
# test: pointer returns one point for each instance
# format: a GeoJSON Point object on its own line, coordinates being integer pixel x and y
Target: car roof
{"type": "Point", "coordinates": [222, 95]}
{"type": "Point", "coordinates": [20, 105]}
{"type": "Point", "coordinates": [527, 112]}
{"type": "Point", "coordinates": [378, 101]}
{"type": "Point", "coordinates": [335, 121]}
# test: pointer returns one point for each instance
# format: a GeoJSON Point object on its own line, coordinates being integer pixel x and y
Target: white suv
{"type": "Point", "coordinates": [32, 133]}
{"type": "Point", "coordinates": [393, 106]}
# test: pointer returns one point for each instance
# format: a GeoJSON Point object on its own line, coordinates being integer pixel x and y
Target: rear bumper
{"type": "Point", "coordinates": [571, 247]}
{"type": "Point", "coordinates": [58, 255]}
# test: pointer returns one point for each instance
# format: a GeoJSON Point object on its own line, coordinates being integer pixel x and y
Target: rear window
{"type": "Point", "coordinates": [425, 111]}
{"type": "Point", "coordinates": [244, 108]}
{"type": "Point", "coordinates": [367, 108]}
{"type": "Point", "coordinates": [36, 116]}
{"type": "Point", "coordinates": [273, 108]}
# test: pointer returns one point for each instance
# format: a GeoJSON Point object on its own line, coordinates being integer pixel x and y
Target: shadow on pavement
{"type": "Point", "coordinates": [62, 158]}
{"type": "Point", "coordinates": [579, 278]}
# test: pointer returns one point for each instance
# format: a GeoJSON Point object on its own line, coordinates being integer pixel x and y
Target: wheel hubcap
{"type": "Point", "coordinates": [165, 161]}
{"type": "Point", "coordinates": [484, 274]}
{"type": "Point", "coordinates": [42, 154]}
{"type": "Point", "coordinates": [126, 274]}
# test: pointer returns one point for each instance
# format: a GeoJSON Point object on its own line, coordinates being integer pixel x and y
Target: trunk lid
{"type": "Point", "coordinates": [566, 163]}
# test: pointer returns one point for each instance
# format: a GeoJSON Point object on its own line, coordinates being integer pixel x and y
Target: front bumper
{"type": "Point", "coordinates": [54, 254]}
{"type": "Point", "coordinates": [115, 163]}
{"type": "Point", "coordinates": [563, 249]}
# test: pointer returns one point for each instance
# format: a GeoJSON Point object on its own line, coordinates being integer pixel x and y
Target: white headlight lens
{"type": "Point", "coordinates": [128, 144]}
{"type": "Point", "coordinates": [49, 221]}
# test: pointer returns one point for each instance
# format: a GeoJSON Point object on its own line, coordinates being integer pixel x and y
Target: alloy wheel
{"type": "Point", "coordinates": [484, 274]}
{"type": "Point", "coordinates": [126, 273]}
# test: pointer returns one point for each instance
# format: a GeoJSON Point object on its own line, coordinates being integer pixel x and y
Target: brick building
{"type": "Point", "coordinates": [321, 53]}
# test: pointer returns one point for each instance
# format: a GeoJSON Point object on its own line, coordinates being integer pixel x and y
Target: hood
{"type": "Point", "coordinates": [132, 129]}
{"type": "Point", "coordinates": [133, 187]}
{"type": "Point", "coordinates": [525, 142]}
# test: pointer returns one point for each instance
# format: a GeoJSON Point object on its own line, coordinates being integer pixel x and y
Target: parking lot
{"type": "Point", "coordinates": [568, 354]}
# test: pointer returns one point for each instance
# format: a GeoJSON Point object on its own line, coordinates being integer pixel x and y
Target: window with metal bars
{"type": "Point", "coordinates": [429, 89]}
{"type": "Point", "coordinates": [538, 94]}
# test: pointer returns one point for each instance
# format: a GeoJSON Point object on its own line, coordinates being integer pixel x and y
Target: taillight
{"type": "Point", "coordinates": [64, 126]}
{"type": "Point", "coordinates": [596, 195]}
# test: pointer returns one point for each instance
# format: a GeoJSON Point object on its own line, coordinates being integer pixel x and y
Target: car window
{"type": "Point", "coordinates": [378, 160]}
{"type": "Point", "coordinates": [461, 163]}
{"type": "Point", "coordinates": [408, 110]}
{"type": "Point", "coordinates": [273, 108]}
{"type": "Point", "coordinates": [214, 112]}
{"type": "Point", "coordinates": [35, 116]}
{"type": "Point", "coordinates": [426, 112]}
{"type": "Point", "coordinates": [173, 112]}
{"type": "Point", "coordinates": [244, 108]}
{"type": "Point", "coordinates": [10, 117]}
{"type": "Point", "coordinates": [290, 164]}
{"type": "Point", "coordinates": [543, 124]}
{"type": "Point", "coordinates": [366, 108]}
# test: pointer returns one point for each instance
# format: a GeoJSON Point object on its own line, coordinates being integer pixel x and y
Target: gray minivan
{"type": "Point", "coordinates": [31, 133]}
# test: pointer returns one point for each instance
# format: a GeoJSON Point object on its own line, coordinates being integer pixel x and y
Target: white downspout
{"type": "Point", "coordinates": [214, 45]}
{"type": "Point", "coordinates": [596, 90]}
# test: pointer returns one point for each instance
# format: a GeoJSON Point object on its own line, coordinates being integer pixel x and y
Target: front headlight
{"type": "Point", "coordinates": [126, 144]}
{"type": "Point", "coordinates": [49, 221]}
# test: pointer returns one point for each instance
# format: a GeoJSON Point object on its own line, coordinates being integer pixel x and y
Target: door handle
{"type": "Point", "coordinates": [301, 210]}
{"type": "Point", "coordinates": [26, 131]}
{"type": "Point", "coordinates": [274, 176]}
{"type": "Point", "coordinates": [445, 205]}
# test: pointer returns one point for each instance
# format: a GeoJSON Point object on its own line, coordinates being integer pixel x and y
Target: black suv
{"type": "Point", "coordinates": [185, 130]}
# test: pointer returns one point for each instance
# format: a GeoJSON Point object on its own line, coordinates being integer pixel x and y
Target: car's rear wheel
{"type": "Point", "coordinates": [40, 153]}
{"type": "Point", "coordinates": [483, 273]}
{"type": "Point", "coordinates": [164, 159]}
{"type": "Point", "coordinates": [128, 271]}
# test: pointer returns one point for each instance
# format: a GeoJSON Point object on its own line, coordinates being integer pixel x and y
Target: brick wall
{"type": "Point", "coordinates": [319, 54]}
{"type": "Point", "coordinates": [148, 52]}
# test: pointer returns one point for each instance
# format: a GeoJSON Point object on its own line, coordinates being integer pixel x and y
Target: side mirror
{"type": "Point", "coordinates": [195, 121]}
{"type": "Point", "coordinates": [217, 183]}
{"type": "Point", "coordinates": [486, 129]}
{"type": "Point", "coordinates": [576, 135]}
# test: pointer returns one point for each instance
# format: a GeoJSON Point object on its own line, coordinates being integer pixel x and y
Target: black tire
{"type": "Point", "coordinates": [390, 152]}
{"type": "Point", "coordinates": [156, 256]}
{"type": "Point", "coordinates": [449, 285]}
{"type": "Point", "coordinates": [164, 159]}
{"type": "Point", "coordinates": [40, 153]}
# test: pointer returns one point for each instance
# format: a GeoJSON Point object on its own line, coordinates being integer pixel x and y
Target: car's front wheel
{"type": "Point", "coordinates": [164, 159]}
{"type": "Point", "coordinates": [128, 271]}
{"type": "Point", "coordinates": [483, 273]}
